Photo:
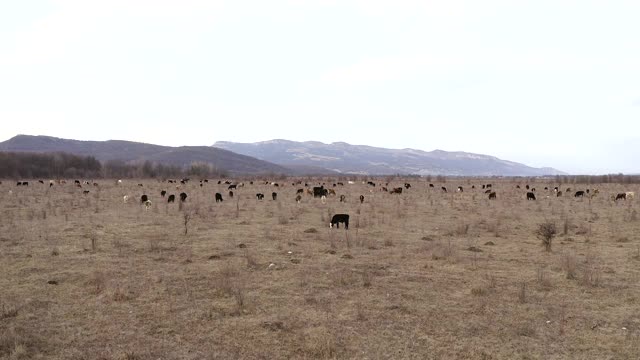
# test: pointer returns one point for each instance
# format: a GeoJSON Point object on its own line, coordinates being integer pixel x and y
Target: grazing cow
{"type": "Point", "coordinates": [218, 197]}
{"type": "Point", "coordinates": [230, 193]}
{"type": "Point", "coordinates": [339, 218]}
{"type": "Point", "coordinates": [259, 196]}
{"type": "Point", "coordinates": [527, 187]}
{"type": "Point", "coordinates": [341, 184]}
{"type": "Point", "coordinates": [630, 195]}
{"type": "Point", "coordinates": [183, 197]}
{"type": "Point", "coordinates": [487, 191]}
{"type": "Point", "coordinates": [298, 198]}
{"type": "Point", "coordinates": [397, 190]}
{"type": "Point", "coordinates": [343, 198]}
{"type": "Point", "coordinates": [171, 198]}
{"type": "Point", "coordinates": [86, 192]}
{"type": "Point", "coordinates": [492, 195]}
{"type": "Point", "coordinates": [232, 187]}
{"type": "Point", "coordinates": [371, 183]}
{"type": "Point", "coordinates": [300, 191]}
{"type": "Point", "coordinates": [460, 189]}
{"type": "Point", "coordinates": [77, 182]}
{"type": "Point", "coordinates": [163, 193]}
{"type": "Point", "coordinates": [274, 195]}
{"type": "Point", "coordinates": [41, 181]}
{"type": "Point", "coordinates": [19, 183]}
{"type": "Point", "coordinates": [407, 186]}
{"type": "Point", "coordinates": [147, 204]}
{"type": "Point", "coordinates": [488, 186]}
{"type": "Point", "coordinates": [531, 196]}
{"type": "Point", "coordinates": [444, 189]}
{"type": "Point", "coordinates": [431, 185]}
{"type": "Point", "coordinates": [517, 186]}
{"type": "Point", "coordinates": [361, 199]}
{"type": "Point", "coordinates": [319, 191]}
{"type": "Point", "coordinates": [621, 196]}
{"type": "Point", "coordinates": [559, 193]}
{"type": "Point", "coordinates": [144, 198]}
{"type": "Point", "coordinates": [579, 194]}
{"type": "Point", "coordinates": [140, 185]}
{"type": "Point", "coordinates": [332, 192]}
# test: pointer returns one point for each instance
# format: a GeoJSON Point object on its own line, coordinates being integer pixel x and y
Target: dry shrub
{"type": "Point", "coordinates": [444, 252]}
{"type": "Point", "coordinates": [320, 343]}
{"type": "Point", "coordinates": [542, 278]}
{"type": "Point", "coordinates": [522, 292]}
{"type": "Point", "coordinates": [8, 312]}
{"type": "Point", "coordinates": [97, 282]}
{"type": "Point", "coordinates": [546, 232]}
{"type": "Point", "coordinates": [591, 271]}
{"type": "Point", "coordinates": [569, 265]}
{"type": "Point", "coordinates": [282, 220]}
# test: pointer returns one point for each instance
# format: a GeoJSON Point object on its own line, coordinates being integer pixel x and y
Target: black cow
{"type": "Point", "coordinates": [621, 196]}
{"type": "Point", "coordinates": [488, 186]}
{"type": "Point", "coordinates": [300, 191]}
{"type": "Point", "coordinates": [171, 198]}
{"type": "Point", "coordinates": [371, 183]}
{"type": "Point", "coordinates": [517, 186]}
{"type": "Point", "coordinates": [218, 197]}
{"type": "Point", "coordinates": [143, 198]}
{"type": "Point", "coordinates": [339, 218]}
{"type": "Point", "coordinates": [431, 185]}
{"type": "Point", "coordinates": [531, 196]}
{"type": "Point", "coordinates": [361, 199]}
{"type": "Point", "coordinates": [25, 183]}
{"type": "Point", "coordinates": [460, 189]}
{"type": "Point", "coordinates": [579, 193]}
{"type": "Point", "coordinates": [41, 181]}
{"type": "Point", "coordinates": [232, 187]}
{"type": "Point", "coordinates": [397, 190]}
{"type": "Point", "coordinates": [407, 186]}
{"type": "Point", "coordinates": [492, 195]}
{"type": "Point", "coordinates": [163, 193]}
{"type": "Point", "coordinates": [86, 192]}
{"type": "Point", "coordinates": [274, 195]}
{"type": "Point", "coordinates": [487, 191]}
{"type": "Point", "coordinates": [230, 193]}
{"type": "Point", "coordinates": [319, 191]}
{"type": "Point", "coordinates": [183, 197]}
{"type": "Point", "coordinates": [259, 196]}
{"type": "Point", "coordinates": [298, 198]}
{"type": "Point", "coordinates": [444, 189]}
{"type": "Point", "coordinates": [19, 183]}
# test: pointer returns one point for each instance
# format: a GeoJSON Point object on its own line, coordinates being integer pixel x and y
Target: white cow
{"type": "Point", "coordinates": [630, 195]}
{"type": "Point", "coordinates": [125, 198]}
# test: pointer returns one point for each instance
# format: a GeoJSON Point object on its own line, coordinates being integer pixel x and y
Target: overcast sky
{"type": "Point", "coordinates": [547, 83]}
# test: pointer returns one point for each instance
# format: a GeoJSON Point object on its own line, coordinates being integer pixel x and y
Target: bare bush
{"type": "Point", "coordinates": [546, 232]}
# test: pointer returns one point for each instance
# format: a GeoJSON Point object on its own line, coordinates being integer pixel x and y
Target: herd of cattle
{"type": "Point", "coordinates": [320, 191]}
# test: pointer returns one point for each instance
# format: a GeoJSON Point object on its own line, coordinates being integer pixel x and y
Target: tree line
{"type": "Point", "coordinates": [21, 165]}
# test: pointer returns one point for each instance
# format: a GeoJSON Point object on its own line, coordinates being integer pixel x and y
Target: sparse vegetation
{"type": "Point", "coordinates": [269, 279]}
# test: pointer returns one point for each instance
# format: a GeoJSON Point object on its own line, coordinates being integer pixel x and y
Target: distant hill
{"type": "Point", "coordinates": [138, 152]}
{"type": "Point", "coordinates": [360, 159]}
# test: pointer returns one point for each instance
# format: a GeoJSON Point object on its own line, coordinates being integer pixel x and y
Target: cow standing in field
{"type": "Point", "coordinates": [298, 198]}
{"type": "Point", "coordinates": [230, 193]}
{"type": "Point", "coordinates": [143, 198]}
{"type": "Point", "coordinates": [259, 196]}
{"type": "Point", "coordinates": [340, 218]}
{"type": "Point", "coordinates": [171, 198]}
{"type": "Point", "coordinates": [531, 196]}
{"type": "Point", "coordinates": [492, 195]}
{"type": "Point", "coordinates": [579, 194]}
{"type": "Point", "coordinates": [343, 198]}
{"type": "Point", "coordinates": [163, 193]}
{"type": "Point", "coordinates": [621, 196]}
{"type": "Point", "coordinates": [444, 189]}
{"type": "Point", "coordinates": [361, 199]}
{"type": "Point", "coordinates": [397, 190]}
{"type": "Point", "coordinates": [183, 197]}
{"type": "Point", "coordinates": [218, 197]}
{"type": "Point", "coordinates": [460, 189]}
{"type": "Point", "coordinates": [274, 195]}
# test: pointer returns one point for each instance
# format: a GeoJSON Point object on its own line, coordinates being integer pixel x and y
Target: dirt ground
{"type": "Point", "coordinates": [419, 275]}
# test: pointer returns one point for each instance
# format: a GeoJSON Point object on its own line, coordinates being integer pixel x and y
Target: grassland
{"type": "Point", "coordinates": [423, 275]}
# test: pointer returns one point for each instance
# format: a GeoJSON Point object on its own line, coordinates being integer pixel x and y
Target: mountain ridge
{"type": "Point", "coordinates": [370, 160]}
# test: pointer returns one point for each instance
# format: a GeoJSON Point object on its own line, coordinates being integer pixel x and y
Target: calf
{"type": "Point", "coordinates": [183, 197]}
{"type": "Point", "coordinates": [531, 196]}
{"type": "Point", "coordinates": [340, 218]}
{"type": "Point", "coordinates": [218, 197]}
{"type": "Point", "coordinates": [171, 198]}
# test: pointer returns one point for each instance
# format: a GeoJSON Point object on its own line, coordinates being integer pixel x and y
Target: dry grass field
{"type": "Point", "coordinates": [423, 275]}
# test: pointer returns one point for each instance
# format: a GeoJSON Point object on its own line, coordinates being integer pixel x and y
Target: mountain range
{"type": "Point", "coordinates": [360, 159]}
{"type": "Point", "coordinates": [286, 157]}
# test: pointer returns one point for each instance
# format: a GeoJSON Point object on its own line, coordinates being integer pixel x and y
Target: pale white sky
{"type": "Point", "coordinates": [547, 83]}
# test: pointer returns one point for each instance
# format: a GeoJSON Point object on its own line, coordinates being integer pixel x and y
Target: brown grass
{"type": "Point", "coordinates": [423, 274]}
